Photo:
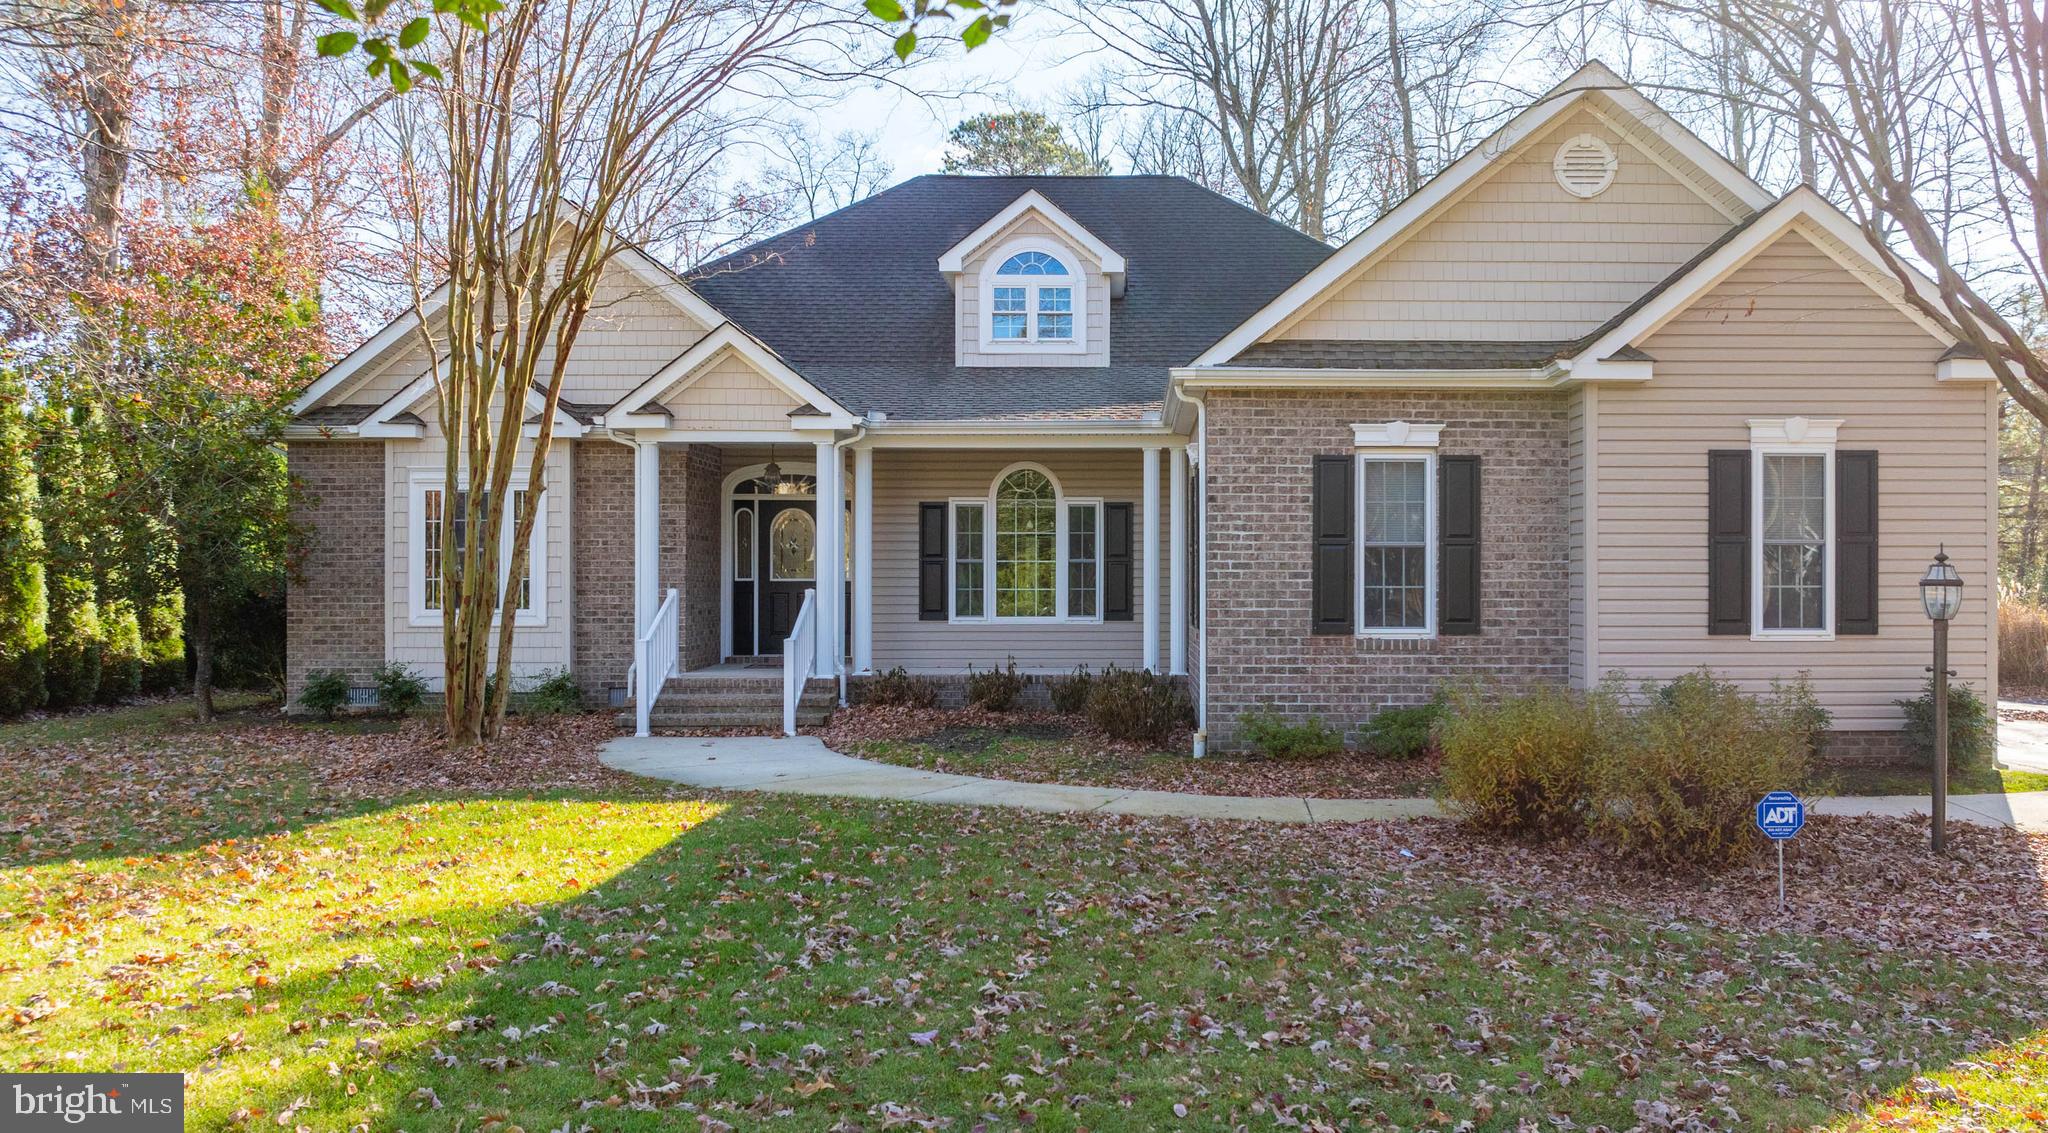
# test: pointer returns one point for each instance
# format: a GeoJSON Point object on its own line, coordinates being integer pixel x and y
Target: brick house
{"type": "Point", "coordinates": [1590, 401]}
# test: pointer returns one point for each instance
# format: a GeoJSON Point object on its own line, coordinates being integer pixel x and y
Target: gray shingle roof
{"type": "Point", "coordinates": [330, 416]}
{"type": "Point", "coordinates": [854, 301]}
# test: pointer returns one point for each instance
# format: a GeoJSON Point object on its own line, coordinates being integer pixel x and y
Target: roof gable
{"type": "Point", "coordinates": [1659, 142]}
{"type": "Point", "coordinates": [730, 353]}
{"type": "Point", "coordinates": [952, 261]}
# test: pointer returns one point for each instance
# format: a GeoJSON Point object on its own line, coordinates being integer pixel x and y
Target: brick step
{"type": "Point", "coordinates": [681, 718]}
{"type": "Point", "coordinates": [764, 684]}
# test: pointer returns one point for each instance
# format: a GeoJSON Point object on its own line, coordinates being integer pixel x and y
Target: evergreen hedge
{"type": "Point", "coordinates": [24, 605]}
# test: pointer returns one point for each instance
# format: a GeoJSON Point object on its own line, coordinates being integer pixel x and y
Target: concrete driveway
{"type": "Point", "coordinates": [2022, 744]}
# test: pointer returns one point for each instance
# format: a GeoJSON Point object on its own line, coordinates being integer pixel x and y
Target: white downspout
{"type": "Point", "coordinates": [860, 429]}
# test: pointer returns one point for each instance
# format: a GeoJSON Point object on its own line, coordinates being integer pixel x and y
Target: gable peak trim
{"type": "Point", "coordinates": [953, 260]}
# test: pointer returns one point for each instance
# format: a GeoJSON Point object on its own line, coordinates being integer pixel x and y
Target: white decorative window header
{"type": "Point", "coordinates": [1816, 431]}
{"type": "Point", "coordinates": [1396, 434]}
{"type": "Point", "coordinates": [1585, 166]}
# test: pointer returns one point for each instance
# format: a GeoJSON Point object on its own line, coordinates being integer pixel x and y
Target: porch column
{"type": "Point", "coordinates": [646, 536]}
{"type": "Point", "coordinates": [1150, 518]}
{"type": "Point", "coordinates": [863, 560]}
{"type": "Point", "coordinates": [831, 558]}
{"type": "Point", "coordinates": [1176, 553]}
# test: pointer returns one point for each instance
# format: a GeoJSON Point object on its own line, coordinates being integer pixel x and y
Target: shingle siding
{"type": "Point", "coordinates": [334, 608]}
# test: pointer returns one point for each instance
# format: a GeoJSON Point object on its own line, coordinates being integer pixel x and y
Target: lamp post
{"type": "Point", "coordinates": [1941, 595]}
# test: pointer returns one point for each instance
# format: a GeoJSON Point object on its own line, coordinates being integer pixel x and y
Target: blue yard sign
{"type": "Point", "coordinates": [1780, 815]}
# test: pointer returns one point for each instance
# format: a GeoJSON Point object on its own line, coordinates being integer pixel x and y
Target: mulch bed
{"type": "Point", "coordinates": [1068, 750]}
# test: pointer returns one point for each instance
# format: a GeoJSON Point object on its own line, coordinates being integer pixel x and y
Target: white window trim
{"type": "Point", "coordinates": [1386, 442]}
{"type": "Point", "coordinates": [987, 502]}
{"type": "Point", "coordinates": [416, 554]}
{"type": "Point", "coordinates": [1076, 279]}
{"type": "Point", "coordinates": [1790, 436]}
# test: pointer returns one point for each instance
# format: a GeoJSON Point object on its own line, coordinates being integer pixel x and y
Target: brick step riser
{"type": "Point", "coordinates": [729, 720]}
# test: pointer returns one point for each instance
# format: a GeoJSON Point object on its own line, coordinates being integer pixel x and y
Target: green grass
{"type": "Point", "coordinates": [789, 963]}
{"type": "Point", "coordinates": [94, 724]}
{"type": "Point", "coordinates": [1896, 779]}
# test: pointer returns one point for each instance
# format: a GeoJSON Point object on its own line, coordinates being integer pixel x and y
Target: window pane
{"type": "Point", "coordinates": [743, 544]}
{"type": "Point", "coordinates": [1055, 326]}
{"type": "Point", "coordinates": [430, 542]}
{"type": "Point", "coordinates": [521, 597]}
{"type": "Point", "coordinates": [1027, 547]}
{"type": "Point", "coordinates": [1082, 526]}
{"type": "Point", "coordinates": [967, 561]}
{"type": "Point", "coordinates": [1055, 299]}
{"type": "Point", "coordinates": [1007, 299]}
{"type": "Point", "coordinates": [1395, 563]}
{"type": "Point", "coordinates": [792, 546]}
{"type": "Point", "coordinates": [1004, 327]}
{"type": "Point", "coordinates": [1032, 263]}
{"type": "Point", "coordinates": [1795, 541]}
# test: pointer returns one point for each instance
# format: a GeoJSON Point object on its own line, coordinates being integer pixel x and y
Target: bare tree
{"type": "Point", "coordinates": [818, 178]}
{"type": "Point", "coordinates": [570, 131]}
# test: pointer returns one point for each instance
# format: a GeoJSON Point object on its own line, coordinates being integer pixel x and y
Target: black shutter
{"type": "Point", "coordinates": [1856, 543]}
{"type": "Point", "coordinates": [1458, 546]}
{"type": "Point", "coordinates": [1116, 563]}
{"type": "Point", "coordinates": [931, 562]}
{"type": "Point", "coordinates": [1728, 541]}
{"type": "Point", "coordinates": [1330, 513]}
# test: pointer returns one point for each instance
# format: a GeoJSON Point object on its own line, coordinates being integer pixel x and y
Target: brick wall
{"type": "Point", "coordinates": [334, 609]}
{"type": "Point", "coordinates": [601, 542]}
{"type": "Point", "coordinates": [1259, 451]}
{"type": "Point", "coordinates": [700, 528]}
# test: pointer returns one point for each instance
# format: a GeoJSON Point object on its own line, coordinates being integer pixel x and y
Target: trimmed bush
{"type": "Point", "coordinates": [120, 653]}
{"type": "Point", "coordinates": [1401, 733]}
{"type": "Point", "coordinates": [555, 694]}
{"type": "Point", "coordinates": [898, 689]}
{"type": "Point", "coordinates": [72, 670]}
{"type": "Point", "coordinates": [1070, 693]}
{"type": "Point", "coordinates": [1970, 737]}
{"type": "Point", "coordinates": [71, 483]}
{"type": "Point", "coordinates": [995, 690]}
{"type": "Point", "coordinates": [1138, 707]}
{"type": "Point", "coordinates": [326, 692]}
{"type": "Point", "coordinates": [1272, 735]}
{"type": "Point", "coordinates": [1678, 784]}
{"type": "Point", "coordinates": [24, 605]}
{"type": "Point", "coordinates": [1521, 764]}
{"type": "Point", "coordinates": [399, 689]}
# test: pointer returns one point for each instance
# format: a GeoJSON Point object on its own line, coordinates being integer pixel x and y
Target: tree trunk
{"type": "Point", "coordinates": [1404, 99]}
{"type": "Point", "coordinates": [199, 635]}
{"type": "Point", "coordinates": [2030, 530]}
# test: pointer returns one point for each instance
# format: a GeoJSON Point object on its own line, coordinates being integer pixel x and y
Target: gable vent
{"type": "Point", "coordinates": [1584, 166]}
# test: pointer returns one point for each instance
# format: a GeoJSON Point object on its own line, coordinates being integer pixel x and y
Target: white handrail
{"type": "Point", "coordinates": [654, 660]}
{"type": "Point", "coordinates": [799, 659]}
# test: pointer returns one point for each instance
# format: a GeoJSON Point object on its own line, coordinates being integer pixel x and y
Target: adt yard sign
{"type": "Point", "coordinates": [1780, 815]}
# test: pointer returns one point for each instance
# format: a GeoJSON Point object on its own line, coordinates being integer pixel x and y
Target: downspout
{"type": "Point", "coordinates": [860, 430]}
{"type": "Point", "coordinates": [1200, 747]}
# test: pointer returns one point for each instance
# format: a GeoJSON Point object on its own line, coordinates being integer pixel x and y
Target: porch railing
{"type": "Point", "coordinates": [799, 659]}
{"type": "Point", "coordinates": [654, 660]}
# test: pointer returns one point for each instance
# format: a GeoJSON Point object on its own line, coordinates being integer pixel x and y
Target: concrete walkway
{"type": "Point", "coordinates": [804, 766]}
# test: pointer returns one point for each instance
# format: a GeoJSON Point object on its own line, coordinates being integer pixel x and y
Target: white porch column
{"type": "Point", "coordinates": [831, 558]}
{"type": "Point", "coordinates": [1149, 516]}
{"type": "Point", "coordinates": [1176, 554]}
{"type": "Point", "coordinates": [863, 559]}
{"type": "Point", "coordinates": [646, 535]}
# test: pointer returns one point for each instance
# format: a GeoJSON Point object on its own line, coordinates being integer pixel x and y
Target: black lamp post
{"type": "Point", "coordinates": [1941, 595]}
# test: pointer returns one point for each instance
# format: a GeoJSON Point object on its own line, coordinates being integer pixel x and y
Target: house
{"type": "Point", "coordinates": [1590, 401]}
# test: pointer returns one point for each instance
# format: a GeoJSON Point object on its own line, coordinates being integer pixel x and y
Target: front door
{"type": "Point", "coordinates": [769, 583]}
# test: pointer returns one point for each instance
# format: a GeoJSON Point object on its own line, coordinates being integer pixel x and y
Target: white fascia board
{"type": "Point", "coordinates": [1462, 174]}
{"type": "Point", "coordinates": [565, 425]}
{"type": "Point", "coordinates": [1964, 370]}
{"type": "Point", "coordinates": [379, 424]}
{"type": "Point", "coordinates": [628, 411]}
{"type": "Point", "coordinates": [1802, 206]}
{"type": "Point", "coordinates": [1245, 377]}
{"type": "Point", "coordinates": [376, 344]}
{"type": "Point", "coordinates": [953, 260]}
{"type": "Point", "coordinates": [669, 286]}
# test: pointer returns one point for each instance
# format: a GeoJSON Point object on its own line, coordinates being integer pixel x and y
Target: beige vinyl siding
{"type": "Point", "coordinates": [728, 393]}
{"type": "Point", "coordinates": [906, 478]}
{"type": "Point", "coordinates": [630, 333]}
{"type": "Point", "coordinates": [535, 648]}
{"type": "Point", "coordinates": [1518, 258]}
{"type": "Point", "coordinates": [1792, 333]}
{"type": "Point", "coordinates": [1578, 469]}
{"type": "Point", "coordinates": [1095, 296]}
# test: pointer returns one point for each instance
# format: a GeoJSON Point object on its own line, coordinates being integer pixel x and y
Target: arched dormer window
{"type": "Point", "coordinates": [1026, 551]}
{"type": "Point", "coordinates": [1034, 297]}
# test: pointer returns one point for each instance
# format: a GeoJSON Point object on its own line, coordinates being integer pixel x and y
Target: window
{"type": "Point", "coordinates": [1031, 300]}
{"type": "Point", "coordinates": [1792, 476]}
{"type": "Point", "coordinates": [743, 545]}
{"type": "Point", "coordinates": [792, 546]}
{"type": "Point", "coordinates": [1025, 553]}
{"type": "Point", "coordinates": [1395, 547]}
{"type": "Point", "coordinates": [436, 569]}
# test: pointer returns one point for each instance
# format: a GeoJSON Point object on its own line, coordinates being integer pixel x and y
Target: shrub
{"type": "Point", "coordinates": [163, 644]}
{"type": "Point", "coordinates": [897, 688]}
{"type": "Point", "coordinates": [1802, 711]}
{"type": "Point", "coordinates": [120, 654]}
{"type": "Point", "coordinates": [1520, 764]}
{"type": "Point", "coordinates": [1271, 735]}
{"type": "Point", "coordinates": [994, 689]}
{"type": "Point", "coordinates": [555, 694]}
{"type": "Point", "coordinates": [326, 692]}
{"type": "Point", "coordinates": [1070, 693]}
{"type": "Point", "coordinates": [24, 607]}
{"type": "Point", "coordinates": [1677, 782]}
{"type": "Point", "coordinates": [1970, 737]}
{"type": "Point", "coordinates": [71, 669]}
{"type": "Point", "coordinates": [2022, 642]}
{"type": "Point", "coordinates": [399, 689]}
{"type": "Point", "coordinates": [1401, 733]}
{"type": "Point", "coordinates": [1138, 707]}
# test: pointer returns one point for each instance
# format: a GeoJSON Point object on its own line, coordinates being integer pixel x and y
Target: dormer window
{"type": "Point", "coordinates": [1031, 299]}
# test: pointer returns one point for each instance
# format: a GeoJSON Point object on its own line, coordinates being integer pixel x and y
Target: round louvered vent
{"type": "Point", "coordinates": [1584, 166]}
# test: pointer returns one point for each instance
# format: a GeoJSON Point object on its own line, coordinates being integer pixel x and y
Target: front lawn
{"type": "Point", "coordinates": [328, 931]}
{"type": "Point", "coordinates": [1916, 779]}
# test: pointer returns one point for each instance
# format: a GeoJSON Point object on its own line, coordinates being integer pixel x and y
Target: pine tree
{"type": "Point", "coordinates": [72, 670]}
{"type": "Point", "coordinates": [23, 603]}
